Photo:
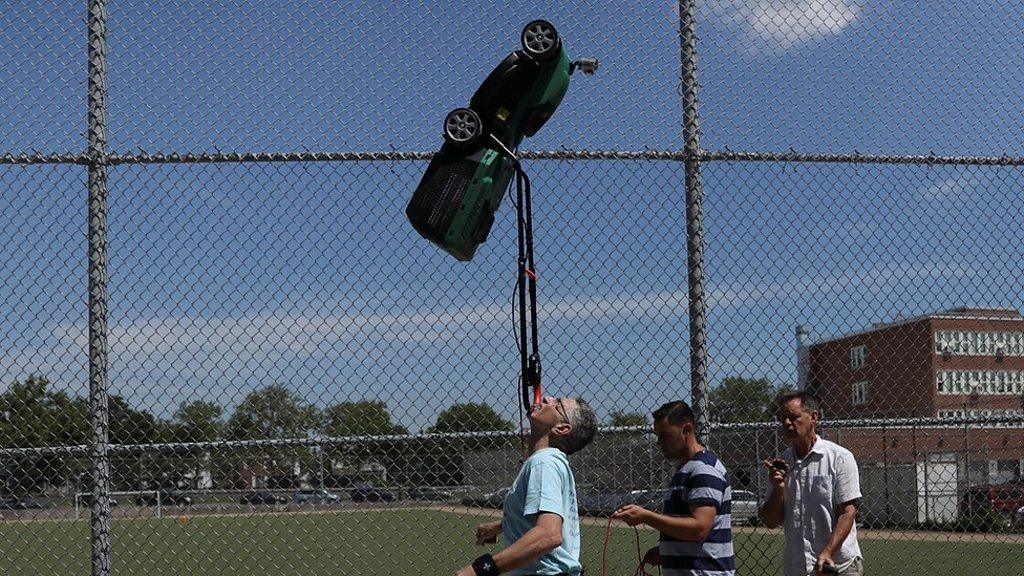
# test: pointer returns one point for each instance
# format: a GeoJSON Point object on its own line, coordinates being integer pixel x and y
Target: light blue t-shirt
{"type": "Point", "coordinates": [545, 484]}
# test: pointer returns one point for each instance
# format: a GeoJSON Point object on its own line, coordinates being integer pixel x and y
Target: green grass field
{"type": "Point", "coordinates": [403, 542]}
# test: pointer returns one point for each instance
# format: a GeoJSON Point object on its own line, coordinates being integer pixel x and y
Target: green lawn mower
{"type": "Point", "coordinates": [454, 204]}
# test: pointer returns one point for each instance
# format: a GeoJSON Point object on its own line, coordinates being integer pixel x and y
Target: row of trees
{"type": "Point", "coordinates": [734, 399]}
{"type": "Point", "coordinates": [35, 414]}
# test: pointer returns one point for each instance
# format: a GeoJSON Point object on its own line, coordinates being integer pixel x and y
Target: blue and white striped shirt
{"type": "Point", "coordinates": [702, 481]}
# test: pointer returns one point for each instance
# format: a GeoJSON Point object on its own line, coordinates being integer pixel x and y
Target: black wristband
{"type": "Point", "coordinates": [486, 566]}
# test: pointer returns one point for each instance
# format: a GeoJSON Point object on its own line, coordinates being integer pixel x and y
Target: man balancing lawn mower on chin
{"type": "Point", "coordinates": [453, 207]}
{"type": "Point", "coordinates": [541, 525]}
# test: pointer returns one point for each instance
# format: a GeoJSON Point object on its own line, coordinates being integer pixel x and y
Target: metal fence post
{"type": "Point", "coordinates": [694, 224]}
{"type": "Point", "coordinates": [885, 474]}
{"type": "Point", "coordinates": [97, 214]}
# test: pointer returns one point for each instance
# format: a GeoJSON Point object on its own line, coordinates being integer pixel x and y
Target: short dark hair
{"type": "Point", "coordinates": [583, 420]}
{"type": "Point", "coordinates": [808, 401]}
{"type": "Point", "coordinates": [677, 412]}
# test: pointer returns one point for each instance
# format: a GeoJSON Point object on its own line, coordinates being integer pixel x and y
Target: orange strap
{"type": "Point", "coordinates": [641, 567]}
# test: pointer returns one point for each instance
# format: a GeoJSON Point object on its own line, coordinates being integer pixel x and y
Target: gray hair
{"type": "Point", "coordinates": [583, 420]}
{"type": "Point", "coordinates": [808, 401]}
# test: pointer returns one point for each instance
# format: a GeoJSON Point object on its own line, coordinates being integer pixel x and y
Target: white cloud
{"type": "Point", "coordinates": [948, 190]}
{"type": "Point", "coordinates": [242, 352]}
{"type": "Point", "coordinates": [779, 25]}
{"type": "Point", "coordinates": [165, 346]}
{"type": "Point", "coordinates": [247, 348]}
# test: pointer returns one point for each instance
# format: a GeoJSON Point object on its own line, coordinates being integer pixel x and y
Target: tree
{"type": "Point", "coordinates": [441, 460]}
{"type": "Point", "coordinates": [196, 421]}
{"type": "Point", "coordinates": [272, 413]}
{"type": "Point", "coordinates": [131, 426]}
{"type": "Point", "coordinates": [32, 415]}
{"type": "Point", "coordinates": [622, 418]}
{"type": "Point", "coordinates": [35, 415]}
{"type": "Point", "coordinates": [469, 417]}
{"type": "Point", "coordinates": [738, 399]}
{"type": "Point", "coordinates": [360, 418]}
{"type": "Point", "coordinates": [128, 425]}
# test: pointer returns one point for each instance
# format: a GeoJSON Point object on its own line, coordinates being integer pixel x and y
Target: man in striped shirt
{"type": "Point", "coordinates": [695, 526]}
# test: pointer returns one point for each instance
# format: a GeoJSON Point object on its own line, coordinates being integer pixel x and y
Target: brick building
{"type": "Point", "coordinates": [961, 361]}
{"type": "Point", "coordinates": [964, 361]}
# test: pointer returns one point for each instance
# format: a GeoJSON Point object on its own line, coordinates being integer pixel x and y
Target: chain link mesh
{"type": "Point", "coordinates": [312, 76]}
{"type": "Point", "coordinates": [42, 96]}
{"type": "Point", "coordinates": [844, 75]}
{"type": "Point", "coordinates": [298, 383]}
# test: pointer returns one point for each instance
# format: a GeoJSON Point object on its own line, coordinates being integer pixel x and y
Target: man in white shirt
{"type": "Point", "coordinates": [815, 489]}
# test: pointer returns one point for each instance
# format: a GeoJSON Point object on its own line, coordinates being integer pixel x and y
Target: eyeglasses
{"type": "Point", "coordinates": [563, 411]}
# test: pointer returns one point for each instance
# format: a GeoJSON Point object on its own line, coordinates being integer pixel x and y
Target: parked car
{"type": "Point", "coordinates": [366, 493]}
{"type": "Point", "coordinates": [427, 493]}
{"type": "Point", "coordinates": [494, 499]}
{"type": "Point", "coordinates": [1004, 499]}
{"type": "Point", "coordinates": [163, 497]}
{"type": "Point", "coordinates": [651, 499]}
{"type": "Point", "coordinates": [22, 503]}
{"type": "Point", "coordinates": [315, 496]}
{"type": "Point", "coordinates": [261, 497]}
{"type": "Point", "coordinates": [603, 504]}
{"type": "Point", "coordinates": [744, 507]}
{"type": "Point", "coordinates": [85, 500]}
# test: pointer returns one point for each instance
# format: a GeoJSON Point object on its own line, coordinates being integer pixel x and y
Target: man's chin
{"type": "Point", "coordinates": [538, 427]}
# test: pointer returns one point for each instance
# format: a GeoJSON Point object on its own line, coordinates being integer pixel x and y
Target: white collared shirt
{"type": "Point", "coordinates": [815, 487]}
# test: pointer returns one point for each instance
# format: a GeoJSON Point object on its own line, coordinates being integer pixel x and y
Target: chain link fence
{"type": "Point", "coordinates": [224, 349]}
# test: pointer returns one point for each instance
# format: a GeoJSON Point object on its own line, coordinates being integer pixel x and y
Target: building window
{"type": "Point", "coordinates": [985, 382]}
{"type": "Point", "coordinates": [979, 343]}
{"type": "Point", "coordinates": [860, 393]}
{"type": "Point", "coordinates": [985, 414]}
{"type": "Point", "coordinates": [858, 355]}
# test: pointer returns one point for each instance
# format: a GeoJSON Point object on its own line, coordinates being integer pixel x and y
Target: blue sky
{"type": "Point", "coordinates": [227, 278]}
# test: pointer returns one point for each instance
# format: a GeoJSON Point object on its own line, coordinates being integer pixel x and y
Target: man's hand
{"type": "Point", "coordinates": [824, 559]}
{"type": "Point", "coordinates": [631, 514]}
{"type": "Point", "coordinates": [488, 533]}
{"type": "Point", "coordinates": [777, 470]}
{"type": "Point", "coordinates": [653, 557]}
{"type": "Point", "coordinates": [466, 571]}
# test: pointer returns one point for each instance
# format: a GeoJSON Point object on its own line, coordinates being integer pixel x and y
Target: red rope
{"type": "Point", "coordinates": [604, 550]}
{"type": "Point", "coordinates": [641, 566]}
